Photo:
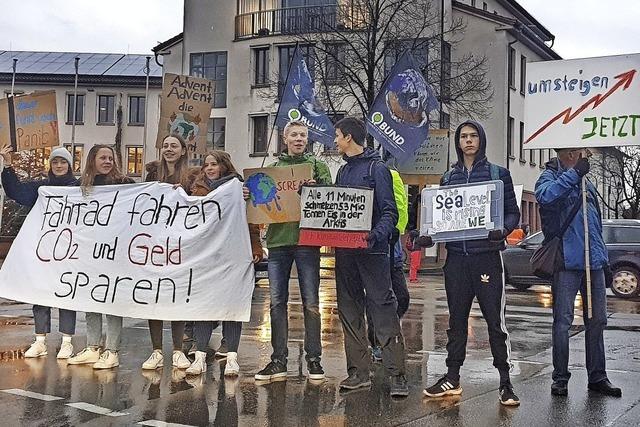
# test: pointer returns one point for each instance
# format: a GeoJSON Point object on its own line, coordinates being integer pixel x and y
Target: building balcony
{"type": "Point", "coordinates": [296, 20]}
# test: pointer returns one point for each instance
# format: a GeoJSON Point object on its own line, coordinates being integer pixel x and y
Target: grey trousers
{"type": "Point", "coordinates": [94, 331]}
{"type": "Point", "coordinates": [42, 319]}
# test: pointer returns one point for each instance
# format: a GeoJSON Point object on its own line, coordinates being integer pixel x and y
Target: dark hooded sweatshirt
{"type": "Point", "coordinates": [480, 171]}
{"type": "Point", "coordinates": [385, 214]}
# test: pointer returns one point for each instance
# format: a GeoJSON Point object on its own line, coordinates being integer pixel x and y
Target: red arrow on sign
{"type": "Point", "coordinates": [624, 82]}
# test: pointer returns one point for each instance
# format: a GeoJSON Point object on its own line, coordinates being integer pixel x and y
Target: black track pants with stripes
{"type": "Point", "coordinates": [480, 276]}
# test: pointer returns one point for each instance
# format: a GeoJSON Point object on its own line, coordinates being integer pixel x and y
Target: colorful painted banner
{"type": "Point", "coordinates": [299, 103]}
{"type": "Point", "coordinates": [583, 103]}
{"type": "Point", "coordinates": [138, 250]}
{"type": "Point", "coordinates": [431, 157]}
{"type": "Point", "coordinates": [399, 117]}
{"type": "Point", "coordinates": [185, 107]}
{"type": "Point", "coordinates": [273, 193]}
{"type": "Point", "coordinates": [34, 118]}
{"type": "Point", "coordinates": [335, 216]}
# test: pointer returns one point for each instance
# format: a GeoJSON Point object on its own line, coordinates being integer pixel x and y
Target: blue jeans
{"type": "Point", "coordinates": [566, 285]}
{"type": "Point", "coordinates": [308, 264]}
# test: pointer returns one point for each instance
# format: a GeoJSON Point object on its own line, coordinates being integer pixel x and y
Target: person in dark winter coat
{"type": "Point", "coordinates": [474, 269]}
{"type": "Point", "coordinates": [363, 275]}
{"type": "Point", "coordinates": [558, 190]}
{"type": "Point", "coordinates": [26, 194]}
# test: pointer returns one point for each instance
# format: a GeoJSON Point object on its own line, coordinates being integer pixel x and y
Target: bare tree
{"type": "Point", "coordinates": [620, 172]}
{"type": "Point", "coordinates": [355, 46]}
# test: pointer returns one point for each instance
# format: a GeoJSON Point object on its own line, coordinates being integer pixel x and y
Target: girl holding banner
{"type": "Point", "coordinates": [172, 168]}
{"type": "Point", "coordinates": [216, 171]}
{"type": "Point", "coordinates": [101, 169]}
{"type": "Point", "coordinates": [26, 193]}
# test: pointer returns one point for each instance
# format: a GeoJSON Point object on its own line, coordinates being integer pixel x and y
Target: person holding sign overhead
{"type": "Point", "coordinates": [172, 168]}
{"type": "Point", "coordinates": [558, 190]}
{"type": "Point", "coordinates": [473, 268]}
{"type": "Point", "coordinates": [282, 242]}
{"type": "Point", "coordinates": [101, 169]}
{"type": "Point", "coordinates": [363, 276]}
{"type": "Point", "coordinates": [216, 171]}
{"type": "Point", "coordinates": [26, 194]}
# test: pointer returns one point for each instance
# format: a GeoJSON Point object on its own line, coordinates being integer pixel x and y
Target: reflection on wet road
{"type": "Point", "coordinates": [47, 392]}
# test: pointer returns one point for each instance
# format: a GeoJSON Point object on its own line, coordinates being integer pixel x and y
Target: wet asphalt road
{"type": "Point", "coordinates": [51, 393]}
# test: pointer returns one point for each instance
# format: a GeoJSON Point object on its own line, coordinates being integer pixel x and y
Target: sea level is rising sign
{"type": "Point", "coordinates": [335, 216]}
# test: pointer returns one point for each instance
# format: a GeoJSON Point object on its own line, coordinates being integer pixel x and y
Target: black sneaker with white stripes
{"type": "Point", "coordinates": [444, 387]}
{"type": "Point", "coordinates": [507, 396]}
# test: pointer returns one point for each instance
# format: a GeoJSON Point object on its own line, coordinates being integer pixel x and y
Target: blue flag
{"type": "Point", "coordinates": [299, 103]}
{"type": "Point", "coordinates": [399, 117]}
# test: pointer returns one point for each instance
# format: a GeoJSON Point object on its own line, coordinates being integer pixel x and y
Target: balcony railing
{"type": "Point", "coordinates": [295, 20]}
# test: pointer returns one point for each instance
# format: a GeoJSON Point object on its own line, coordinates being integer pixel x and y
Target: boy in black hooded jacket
{"type": "Point", "coordinates": [474, 269]}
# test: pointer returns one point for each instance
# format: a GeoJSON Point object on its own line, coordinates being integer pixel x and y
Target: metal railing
{"type": "Point", "coordinates": [295, 20]}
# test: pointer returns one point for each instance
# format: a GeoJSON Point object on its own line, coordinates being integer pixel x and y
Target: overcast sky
{"type": "Point", "coordinates": [582, 27]}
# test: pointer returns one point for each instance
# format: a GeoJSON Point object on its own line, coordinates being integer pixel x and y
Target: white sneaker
{"type": "Point", "coordinates": [199, 365]}
{"type": "Point", "coordinates": [37, 349]}
{"type": "Point", "coordinates": [108, 359]}
{"type": "Point", "coordinates": [232, 368]}
{"type": "Point", "coordinates": [66, 350]}
{"type": "Point", "coordinates": [180, 361]}
{"type": "Point", "coordinates": [155, 361]}
{"type": "Point", "coordinates": [88, 355]}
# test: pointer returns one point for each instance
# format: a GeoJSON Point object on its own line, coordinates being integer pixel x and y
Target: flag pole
{"type": "Point", "coordinates": [147, 70]}
{"type": "Point", "coordinates": [587, 257]}
{"type": "Point", "coordinates": [286, 81]}
{"type": "Point", "coordinates": [73, 119]}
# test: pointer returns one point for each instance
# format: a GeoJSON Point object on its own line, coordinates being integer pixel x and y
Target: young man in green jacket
{"type": "Point", "coordinates": [282, 242]}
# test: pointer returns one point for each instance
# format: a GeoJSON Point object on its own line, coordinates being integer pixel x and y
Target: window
{"type": "Point", "coordinates": [445, 85]}
{"type": "Point", "coordinates": [335, 62]}
{"type": "Point", "coordinates": [77, 156]}
{"type": "Point", "coordinates": [419, 49]}
{"type": "Point", "coordinates": [261, 64]}
{"type": "Point", "coordinates": [215, 134]}
{"type": "Point", "coordinates": [260, 134]}
{"type": "Point", "coordinates": [286, 56]}
{"type": "Point", "coordinates": [473, 3]}
{"type": "Point", "coordinates": [541, 159]}
{"type": "Point", "coordinates": [106, 108]}
{"type": "Point", "coordinates": [445, 120]}
{"type": "Point", "coordinates": [511, 72]}
{"type": "Point", "coordinates": [523, 73]}
{"type": "Point", "coordinates": [134, 160]}
{"type": "Point", "coordinates": [621, 235]}
{"type": "Point", "coordinates": [522, 159]}
{"type": "Point", "coordinates": [510, 138]}
{"type": "Point", "coordinates": [213, 66]}
{"type": "Point", "coordinates": [136, 110]}
{"type": "Point", "coordinates": [79, 117]}
{"type": "Point", "coordinates": [484, 5]}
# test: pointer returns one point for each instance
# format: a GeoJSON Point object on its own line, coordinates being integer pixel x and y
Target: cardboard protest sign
{"type": "Point", "coordinates": [335, 216]}
{"type": "Point", "coordinates": [462, 212]}
{"type": "Point", "coordinates": [431, 156]}
{"type": "Point", "coordinates": [29, 121]}
{"type": "Point", "coordinates": [583, 103]}
{"type": "Point", "coordinates": [138, 250]}
{"type": "Point", "coordinates": [273, 193]}
{"type": "Point", "coordinates": [185, 107]}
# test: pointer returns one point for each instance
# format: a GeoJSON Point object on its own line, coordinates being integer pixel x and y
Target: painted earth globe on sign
{"type": "Point", "coordinates": [262, 189]}
{"type": "Point", "coordinates": [408, 98]}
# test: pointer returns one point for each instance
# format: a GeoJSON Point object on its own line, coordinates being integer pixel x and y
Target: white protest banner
{"type": "Point", "coordinates": [583, 103]}
{"type": "Point", "coordinates": [335, 216]}
{"type": "Point", "coordinates": [431, 157]}
{"type": "Point", "coordinates": [462, 212]}
{"type": "Point", "coordinates": [137, 250]}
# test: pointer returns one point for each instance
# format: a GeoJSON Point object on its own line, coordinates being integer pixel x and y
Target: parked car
{"type": "Point", "coordinates": [622, 237]}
